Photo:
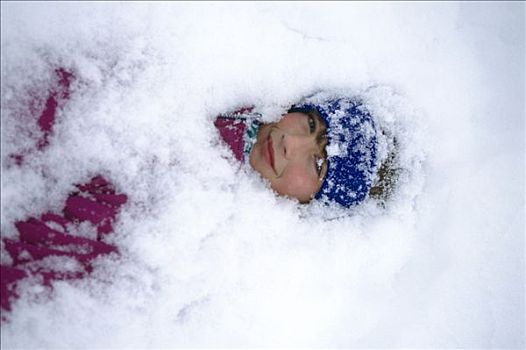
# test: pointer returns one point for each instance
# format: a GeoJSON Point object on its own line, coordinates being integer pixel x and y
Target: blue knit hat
{"type": "Point", "coordinates": [351, 148]}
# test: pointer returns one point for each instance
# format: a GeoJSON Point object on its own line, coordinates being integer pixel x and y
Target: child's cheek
{"type": "Point", "coordinates": [295, 182]}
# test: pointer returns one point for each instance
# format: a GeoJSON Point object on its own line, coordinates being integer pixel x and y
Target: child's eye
{"type": "Point", "coordinates": [312, 124]}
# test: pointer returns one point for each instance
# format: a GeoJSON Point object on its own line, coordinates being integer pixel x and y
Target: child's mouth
{"type": "Point", "coordinates": [271, 151]}
{"type": "Point", "coordinates": [268, 152]}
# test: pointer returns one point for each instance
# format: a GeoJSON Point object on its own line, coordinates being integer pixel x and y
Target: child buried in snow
{"type": "Point", "coordinates": [324, 148]}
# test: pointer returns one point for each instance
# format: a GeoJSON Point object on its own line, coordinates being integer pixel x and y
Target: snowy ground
{"type": "Point", "coordinates": [210, 257]}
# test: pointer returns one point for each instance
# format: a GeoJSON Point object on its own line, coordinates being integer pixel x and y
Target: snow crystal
{"type": "Point", "coordinates": [55, 263]}
{"type": "Point", "coordinates": [83, 229]}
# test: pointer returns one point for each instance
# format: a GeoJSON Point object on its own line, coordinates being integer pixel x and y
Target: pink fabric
{"type": "Point", "coordinates": [95, 202]}
{"type": "Point", "coordinates": [48, 236]}
{"type": "Point", "coordinates": [57, 97]}
{"type": "Point", "coordinates": [232, 127]}
{"type": "Point", "coordinates": [232, 131]}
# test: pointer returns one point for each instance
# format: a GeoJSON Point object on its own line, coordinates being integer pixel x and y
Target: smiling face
{"type": "Point", "coordinates": [291, 154]}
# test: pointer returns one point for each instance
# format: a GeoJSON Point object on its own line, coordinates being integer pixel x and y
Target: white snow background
{"type": "Point", "coordinates": [209, 255]}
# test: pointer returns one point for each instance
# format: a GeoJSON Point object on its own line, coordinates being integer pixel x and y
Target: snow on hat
{"type": "Point", "coordinates": [351, 148]}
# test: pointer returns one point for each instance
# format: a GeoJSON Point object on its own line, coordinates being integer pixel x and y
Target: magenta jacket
{"type": "Point", "coordinates": [97, 202]}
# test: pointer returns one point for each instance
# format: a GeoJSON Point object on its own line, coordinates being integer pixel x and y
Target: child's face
{"type": "Point", "coordinates": [291, 155]}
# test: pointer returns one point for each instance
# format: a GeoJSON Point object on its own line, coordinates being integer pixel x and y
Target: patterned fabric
{"type": "Point", "coordinates": [351, 148]}
{"type": "Point", "coordinates": [251, 133]}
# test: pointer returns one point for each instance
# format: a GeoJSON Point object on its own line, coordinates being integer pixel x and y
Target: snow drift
{"type": "Point", "coordinates": [209, 255]}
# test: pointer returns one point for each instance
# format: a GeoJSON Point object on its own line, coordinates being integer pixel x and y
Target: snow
{"type": "Point", "coordinates": [209, 255]}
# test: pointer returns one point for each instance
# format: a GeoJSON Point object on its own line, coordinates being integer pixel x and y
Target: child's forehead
{"type": "Point", "coordinates": [293, 116]}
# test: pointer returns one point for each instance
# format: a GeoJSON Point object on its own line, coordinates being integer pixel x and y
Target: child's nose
{"type": "Point", "coordinates": [297, 145]}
